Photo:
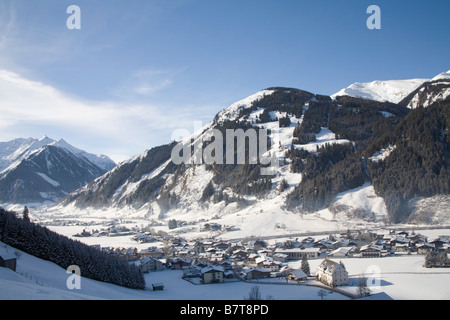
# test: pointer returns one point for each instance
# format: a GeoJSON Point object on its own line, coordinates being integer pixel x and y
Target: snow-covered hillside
{"type": "Point", "coordinates": [392, 90]}
{"type": "Point", "coordinates": [37, 279]}
{"type": "Point", "coordinates": [127, 189]}
{"type": "Point", "coordinates": [322, 152]}
{"type": "Point", "coordinates": [401, 277]}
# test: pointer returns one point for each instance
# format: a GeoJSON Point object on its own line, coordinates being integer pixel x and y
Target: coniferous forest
{"type": "Point", "coordinates": [48, 245]}
{"type": "Point", "coordinates": [417, 166]}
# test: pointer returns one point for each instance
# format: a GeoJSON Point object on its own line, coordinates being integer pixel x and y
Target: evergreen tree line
{"type": "Point", "coordinates": [48, 245]}
{"type": "Point", "coordinates": [336, 168]}
{"type": "Point", "coordinates": [320, 190]}
{"type": "Point", "coordinates": [242, 179]}
{"type": "Point", "coordinates": [315, 117]}
{"type": "Point", "coordinates": [363, 121]}
{"type": "Point", "coordinates": [286, 100]}
{"type": "Point", "coordinates": [418, 166]}
{"type": "Point", "coordinates": [436, 259]}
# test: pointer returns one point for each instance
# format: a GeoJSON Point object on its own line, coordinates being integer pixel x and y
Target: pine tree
{"type": "Point", "coordinates": [363, 289]}
{"type": "Point", "coordinates": [430, 259]}
{"type": "Point", "coordinates": [305, 265]}
{"type": "Point", "coordinates": [25, 214]}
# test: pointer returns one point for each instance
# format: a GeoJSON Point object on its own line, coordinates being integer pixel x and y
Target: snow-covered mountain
{"type": "Point", "coordinates": [42, 170]}
{"type": "Point", "coordinates": [391, 91]}
{"type": "Point", "coordinates": [18, 149]}
{"type": "Point", "coordinates": [437, 89]}
{"type": "Point", "coordinates": [331, 160]}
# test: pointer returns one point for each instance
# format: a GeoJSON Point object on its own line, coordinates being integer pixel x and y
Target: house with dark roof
{"type": "Point", "coordinates": [212, 274]}
{"type": "Point", "coordinates": [8, 261]}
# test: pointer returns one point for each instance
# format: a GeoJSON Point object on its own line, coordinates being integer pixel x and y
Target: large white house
{"type": "Point", "coordinates": [332, 274]}
{"type": "Point", "coordinates": [298, 254]}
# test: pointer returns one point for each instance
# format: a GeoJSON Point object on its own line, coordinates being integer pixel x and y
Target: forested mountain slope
{"type": "Point", "coordinates": [322, 147]}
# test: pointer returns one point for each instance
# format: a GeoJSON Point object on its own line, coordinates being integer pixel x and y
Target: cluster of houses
{"type": "Point", "coordinates": [212, 261]}
{"type": "Point", "coordinates": [376, 245]}
{"type": "Point", "coordinates": [209, 261]}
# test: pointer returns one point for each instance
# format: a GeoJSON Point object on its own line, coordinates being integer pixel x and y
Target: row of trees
{"type": "Point", "coordinates": [286, 100]}
{"type": "Point", "coordinates": [320, 191]}
{"type": "Point", "coordinates": [48, 245]}
{"type": "Point", "coordinates": [316, 117]}
{"type": "Point", "coordinates": [436, 259]}
{"type": "Point", "coordinates": [418, 166]}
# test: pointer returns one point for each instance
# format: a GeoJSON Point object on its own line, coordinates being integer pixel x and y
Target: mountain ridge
{"type": "Point", "coordinates": [44, 170]}
{"type": "Point", "coordinates": [325, 148]}
{"type": "Point", "coordinates": [388, 91]}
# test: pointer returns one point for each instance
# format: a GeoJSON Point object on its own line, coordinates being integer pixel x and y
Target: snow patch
{"type": "Point", "coordinates": [48, 179]}
{"type": "Point", "coordinates": [232, 112]}
{"type": "Point", "coordinates": [382, 154]}
{"type": "Point", "coordinates": [365, 198]}
{"type": "Point", "coordinates": [325, 136]}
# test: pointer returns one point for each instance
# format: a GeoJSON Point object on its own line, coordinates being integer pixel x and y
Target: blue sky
{"type": "Point", "coordinates": [139, 69]}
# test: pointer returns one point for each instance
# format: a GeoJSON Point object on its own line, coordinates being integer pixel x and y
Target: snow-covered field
{"type": "Point", "coordinates": [36, 279]}
{"type": "Point", "coordinates": [401, 277]}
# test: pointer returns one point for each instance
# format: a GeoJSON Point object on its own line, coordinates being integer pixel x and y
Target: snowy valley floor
{"type": "Point", "coordinates": [401, 277]}
{"type": "Point", "coordinates": [36, 279]}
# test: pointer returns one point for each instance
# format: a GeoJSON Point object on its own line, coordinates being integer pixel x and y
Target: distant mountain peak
{"type": "Point", "coordinates": [443, 75]}
{"type": "Point", "coordinates": [45, 138]}
{"type": "Point", "coordinates": [39, 170]}
{"type": "Point", "coordinates": [383, 91]}
{"type": "Point", "coordinates": [387, 91]}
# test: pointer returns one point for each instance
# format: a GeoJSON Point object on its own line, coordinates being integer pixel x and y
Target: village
{"type": "Point", "coordinates": [372, 263]}
{"type": "Point", "coordinates": [213, 260]}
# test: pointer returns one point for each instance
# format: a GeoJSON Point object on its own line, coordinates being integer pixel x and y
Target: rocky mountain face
{"type": "Point", "coordinates": [321, 149]}
{"type": "Point", "coordinates": [44, 170]}
{"type": "Point", "coordinates": [435, 90]}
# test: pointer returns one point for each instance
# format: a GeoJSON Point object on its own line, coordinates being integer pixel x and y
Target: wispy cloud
{"type": "Point", "coordinates": [130, 128]}
{"type": "Point", "coordinates": [147, 82]}
{"type": "Point", "coordinates": [7, 23]}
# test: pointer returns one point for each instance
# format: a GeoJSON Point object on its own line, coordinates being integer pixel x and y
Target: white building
{"type": "Point", "coordinates": [332, 274]}
{"type": "Point", "coordinates": [297, 253]}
